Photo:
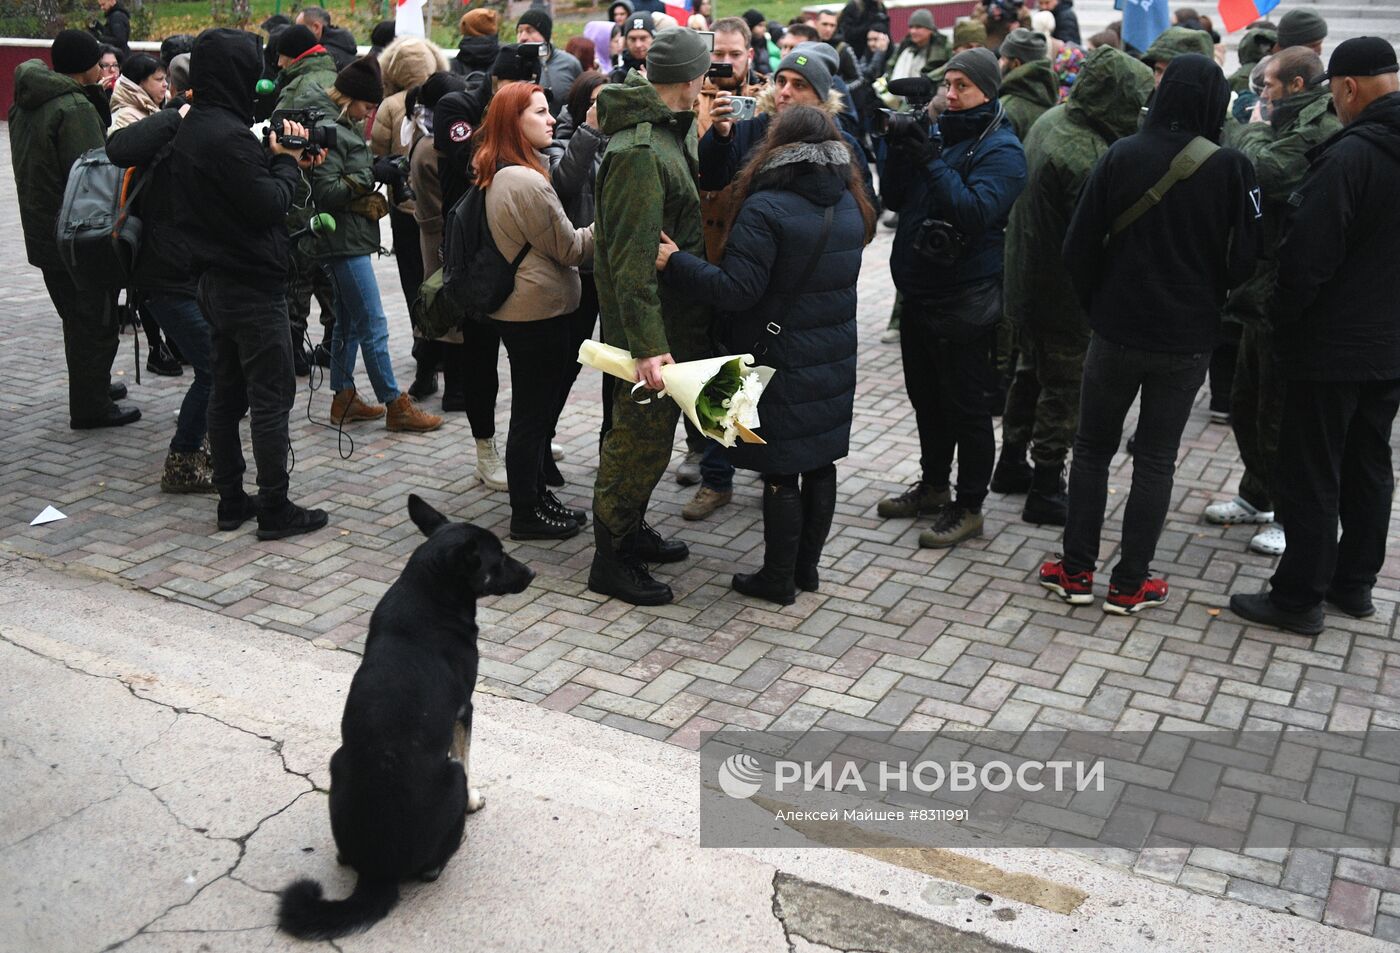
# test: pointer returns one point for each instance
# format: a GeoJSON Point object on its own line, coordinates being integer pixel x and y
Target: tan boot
{"type": "Point", "coordinates": [706, 502]}
{"type": "Point", "coordinates": [347, 408]}
{"type": "Point", "coordinates": [405, 415]}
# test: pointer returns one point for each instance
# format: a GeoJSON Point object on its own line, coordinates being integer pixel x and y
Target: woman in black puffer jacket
{"type": "Point", "coordinates": [790, 263]}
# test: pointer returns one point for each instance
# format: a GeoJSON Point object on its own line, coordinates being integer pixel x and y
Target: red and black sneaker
{"type": "Point", "coordinates": [1077, 589]}
{"type": "Point", "coordinates": [1153, 592]}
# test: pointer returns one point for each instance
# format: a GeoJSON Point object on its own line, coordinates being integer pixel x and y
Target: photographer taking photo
{"type": "Point", "coordinates": [344, 185]}
{"type": "Point", "coordinates": [235, 195]}
{"type": "Point", "coordinates": [953, 182]}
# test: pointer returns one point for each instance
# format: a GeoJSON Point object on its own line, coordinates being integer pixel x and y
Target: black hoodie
{"type": "Point", "coordinates": [340, 44]}
{"type": "Point", "coordinates": [1159, 284]}
{"type": "Point", "coordinates": [162, 264]}
{"type": "Point", "coordinates": [235, 193]}
{"type": "Point", "coordinates": [1338, 284]}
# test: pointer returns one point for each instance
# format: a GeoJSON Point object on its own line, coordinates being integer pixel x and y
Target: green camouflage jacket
{"type": "Point", "coordinates": [1026, 92]}
{"type": "Point", "coordinates": [1178, 41]}
{"type": "Point", "coordinates": [52, 122]}
{"type": "Point", "coordinates": [1279, 151]}
{"type": "Point", "coordinates": [1255, 45]}
{"type": "Point", "coordinates": [296, 83]}
{"type": "Point", "coordinates": [1061, 151]}
{"type": "Point", "coordinates": [646, 185]}
{"type": "Point", "coordinates": [344, 186]}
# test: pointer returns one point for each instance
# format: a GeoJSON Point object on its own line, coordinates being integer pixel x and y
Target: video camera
{"type": "Point", "coordinates": [530, 59]}
{"type": "Point", "coordinates": [918, 92]}
{"type": "Point", "coordinates": [317, 138]}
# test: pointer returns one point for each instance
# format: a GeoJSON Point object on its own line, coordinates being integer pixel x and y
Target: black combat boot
{"type": "Point", "coordinates": [1047, 504]}
{"type": "Point", "coordinates": [647, 545]}
{"type": "Point", "coordinates": [623, 575]}
{"type": "Point", "coordinates": [818, 505]}
{"type": "Point", "coordinates": [782, 529]}
{"type": "Point", "coordinates": [1013, 473]}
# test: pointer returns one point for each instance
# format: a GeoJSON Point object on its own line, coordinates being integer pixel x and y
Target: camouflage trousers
{"type": "Point", "coordinates": [1256, 407]}
{"type": "Point", "coordinates": [308, 278]}
{"type": "Point", "coordinates": [1042, 404]}
{"type": "Point", "coordinates": [634, 456]}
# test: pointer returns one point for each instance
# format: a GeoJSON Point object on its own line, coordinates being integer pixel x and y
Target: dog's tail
{"type": "Point", "coordinates": [305, 914]}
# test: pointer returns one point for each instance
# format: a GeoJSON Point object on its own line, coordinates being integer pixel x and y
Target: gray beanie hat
{"type": "Point", "coordinates": [1024, 45]}
{"type": "Point", "coordinates": [823, 51]}
{"type": "Point", "coordinates": [810, 67]}
{"type": "Point", "coordinates": [923, 18]}
{"type": "Point", "coordinates": [1300, 27]}
{"type": "Point", "coordinates": [677, 55]}
{"type": "Point", "coordinates": [981, 66]}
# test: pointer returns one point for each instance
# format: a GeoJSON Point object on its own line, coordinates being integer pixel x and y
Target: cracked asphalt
{"type": "Point", "coordinates": [165, 774]}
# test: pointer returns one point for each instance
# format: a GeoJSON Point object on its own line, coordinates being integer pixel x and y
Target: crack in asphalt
{"type": "Point", "coordinates": [241, 841]}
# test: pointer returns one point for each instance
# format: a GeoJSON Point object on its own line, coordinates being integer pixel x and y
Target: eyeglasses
{"type": "Point", "coordinates": [111, 67]}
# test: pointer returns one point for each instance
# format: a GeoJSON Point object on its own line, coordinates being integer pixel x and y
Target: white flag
{"type": "Point", "coordinates": [408, 18]}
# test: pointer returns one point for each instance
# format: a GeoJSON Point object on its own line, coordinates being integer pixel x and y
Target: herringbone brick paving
{"type": "Point", "coordinates": [897, 637]}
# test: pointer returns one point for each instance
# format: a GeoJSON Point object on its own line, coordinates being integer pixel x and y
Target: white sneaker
{"type": "Point", "coordinates": [1270, 541]}
{"type": "Point", "coordinates": [556, 451]}
{"type": "Point", "coordinates": [490, 468]}
{"type": "Point", "coordinates": [1237, 511]}
{"type": "Point", "coordinates": [890, 336]}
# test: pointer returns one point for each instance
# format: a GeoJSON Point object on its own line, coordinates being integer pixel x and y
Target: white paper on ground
{"type": "Point", "coordinates": [48, 516]}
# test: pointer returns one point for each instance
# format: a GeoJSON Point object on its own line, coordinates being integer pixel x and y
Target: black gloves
{"type": "Point", "coordinates": [918, 147]}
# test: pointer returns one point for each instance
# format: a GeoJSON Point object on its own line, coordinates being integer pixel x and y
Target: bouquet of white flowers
{"type": "Point", "coordinates": [720, 395]}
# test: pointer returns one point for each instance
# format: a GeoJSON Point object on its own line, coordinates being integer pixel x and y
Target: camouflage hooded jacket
{"type": "Point", "coordinates": [1061, 150]}
{"type": "Point", "coordinates": [1027, 92]}
{"type": "Point", "coordinates": [1279, 151]}
{"type": "Point", "coordinates": [644, 186]}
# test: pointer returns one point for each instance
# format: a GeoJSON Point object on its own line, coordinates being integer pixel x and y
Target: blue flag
{"type": "Point", "coordinates": [1144, 21]}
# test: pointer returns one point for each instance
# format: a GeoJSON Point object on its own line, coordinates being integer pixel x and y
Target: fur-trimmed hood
{"type": "Point", "coordinates": [818, 171]}
{"type": "Point", "coordinates": [408, 62]}
{"type": "Point", "coordinates": [834, 105]}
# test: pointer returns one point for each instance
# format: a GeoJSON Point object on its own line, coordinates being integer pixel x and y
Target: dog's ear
{"type": "Point", "coordinates": [424, 516]}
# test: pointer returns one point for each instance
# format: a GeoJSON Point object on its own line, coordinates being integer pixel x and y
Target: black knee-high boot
{"type": "Point", "coordinates": [782, 527]}
{"type": "Point", "coordinates": [818, 506]}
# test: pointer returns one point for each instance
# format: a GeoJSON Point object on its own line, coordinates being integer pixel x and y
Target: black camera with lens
{"type": "Point", "coordinates": [939, 242]}
{"type": "Point", "coordinates": [393, 172]}
{"type": "Point", "coordinates": [317, 138]}
{"type": "Point", "coordinates": [917, 92]}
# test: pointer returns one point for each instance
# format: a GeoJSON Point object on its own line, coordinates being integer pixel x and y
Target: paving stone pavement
{"type": "Point", "coordinates": [897, 637]}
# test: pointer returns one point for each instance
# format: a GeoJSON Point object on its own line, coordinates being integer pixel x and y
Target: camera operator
{"type": "Point", "coordinates": [345, 187]}
{"type": "Point", "coordinates": [558, 69]}
{"type": "Point", "coordinates": [953, 184]}
{"type": "Point", "coordinates": [235, 195]}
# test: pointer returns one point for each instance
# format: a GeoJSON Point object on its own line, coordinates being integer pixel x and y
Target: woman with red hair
{"type": "Point", "coordinates": [523, 210]}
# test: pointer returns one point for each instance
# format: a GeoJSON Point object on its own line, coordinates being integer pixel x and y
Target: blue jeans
{"type": "Point", "coordinates": [360, 325]}
{"type": "Point", "coordinates": [716, 472]}
{"type": "Point", "coordinates": [1113, 377]}
{"type": "Point", "coordinates": [180, 318]}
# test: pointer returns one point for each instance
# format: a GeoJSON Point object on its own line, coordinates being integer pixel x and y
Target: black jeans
{"type": "Point", "coordinates": [477, 356]}
{"type": "Point", "coordinates": [408, 253]}
{"type": "Point", "coordinates": [581, 324]}
{"type": "Point", "coordinates": [1333, 461]}
{"type": "Point", "coordinates": [253, 373]}
{"type": "Point", "coordinates": [953, 387]}
{"type": "Point", "coordinates": [1113, 375]}
{"type": "Point", "coordinates": [541, 354]}
{"type": "Point", "coordinates": [89, 343]}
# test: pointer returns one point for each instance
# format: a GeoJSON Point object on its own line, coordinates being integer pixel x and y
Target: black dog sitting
{"type": "Point", "coordinates": [399, 783]}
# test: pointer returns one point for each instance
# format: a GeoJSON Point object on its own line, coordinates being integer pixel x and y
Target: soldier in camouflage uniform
{"type": "Point", "coordinates": [1300, 118]}
{"type": "Point", "coordinates": [645, 185]}
{"type": "Point", "coordinates": [1173, 42]}
{"type": "Point", "coordinates": [1043, 405]}
{"type": "Point", "coordinates": [1028, 83]}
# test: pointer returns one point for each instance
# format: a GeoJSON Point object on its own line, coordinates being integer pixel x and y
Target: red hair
{"type": "Point", "coordinates": [500, 140]}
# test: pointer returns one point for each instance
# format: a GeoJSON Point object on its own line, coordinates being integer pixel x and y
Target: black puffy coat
{"type": "Point", "coordinates": [806, 410]}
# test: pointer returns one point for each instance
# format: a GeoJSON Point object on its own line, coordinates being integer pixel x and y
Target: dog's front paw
{"type": "Point", "coordinates": [475, 801]}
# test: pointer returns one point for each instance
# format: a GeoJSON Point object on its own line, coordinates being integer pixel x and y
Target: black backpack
{"type": "Point", "coordinates": [474, 272]}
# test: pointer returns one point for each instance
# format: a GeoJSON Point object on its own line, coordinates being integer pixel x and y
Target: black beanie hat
{"type": "Point", "coordinates": [439, 85]}
{"type": "Point", "coordinates": [540, 20]}
{"type": "Point", "coordinates": [295, 40]}
{"type": "Point", "coordinates": [753, 18]}
{"type": "Point", "coordinates": [383, 33]}
{"type": "Point", "coordinates": [360, 80]}
{"type": "Point", "coordinates": [75, 52]}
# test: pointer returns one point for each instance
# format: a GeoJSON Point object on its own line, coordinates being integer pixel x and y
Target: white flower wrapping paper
{"type": "Point", "coordinates": [685, 382]}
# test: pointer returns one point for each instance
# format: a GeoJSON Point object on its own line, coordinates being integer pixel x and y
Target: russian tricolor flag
{"type": "Point", "coordinates": [681, 11]}
{"type": "Point", "coordinates": [1241, 13]}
